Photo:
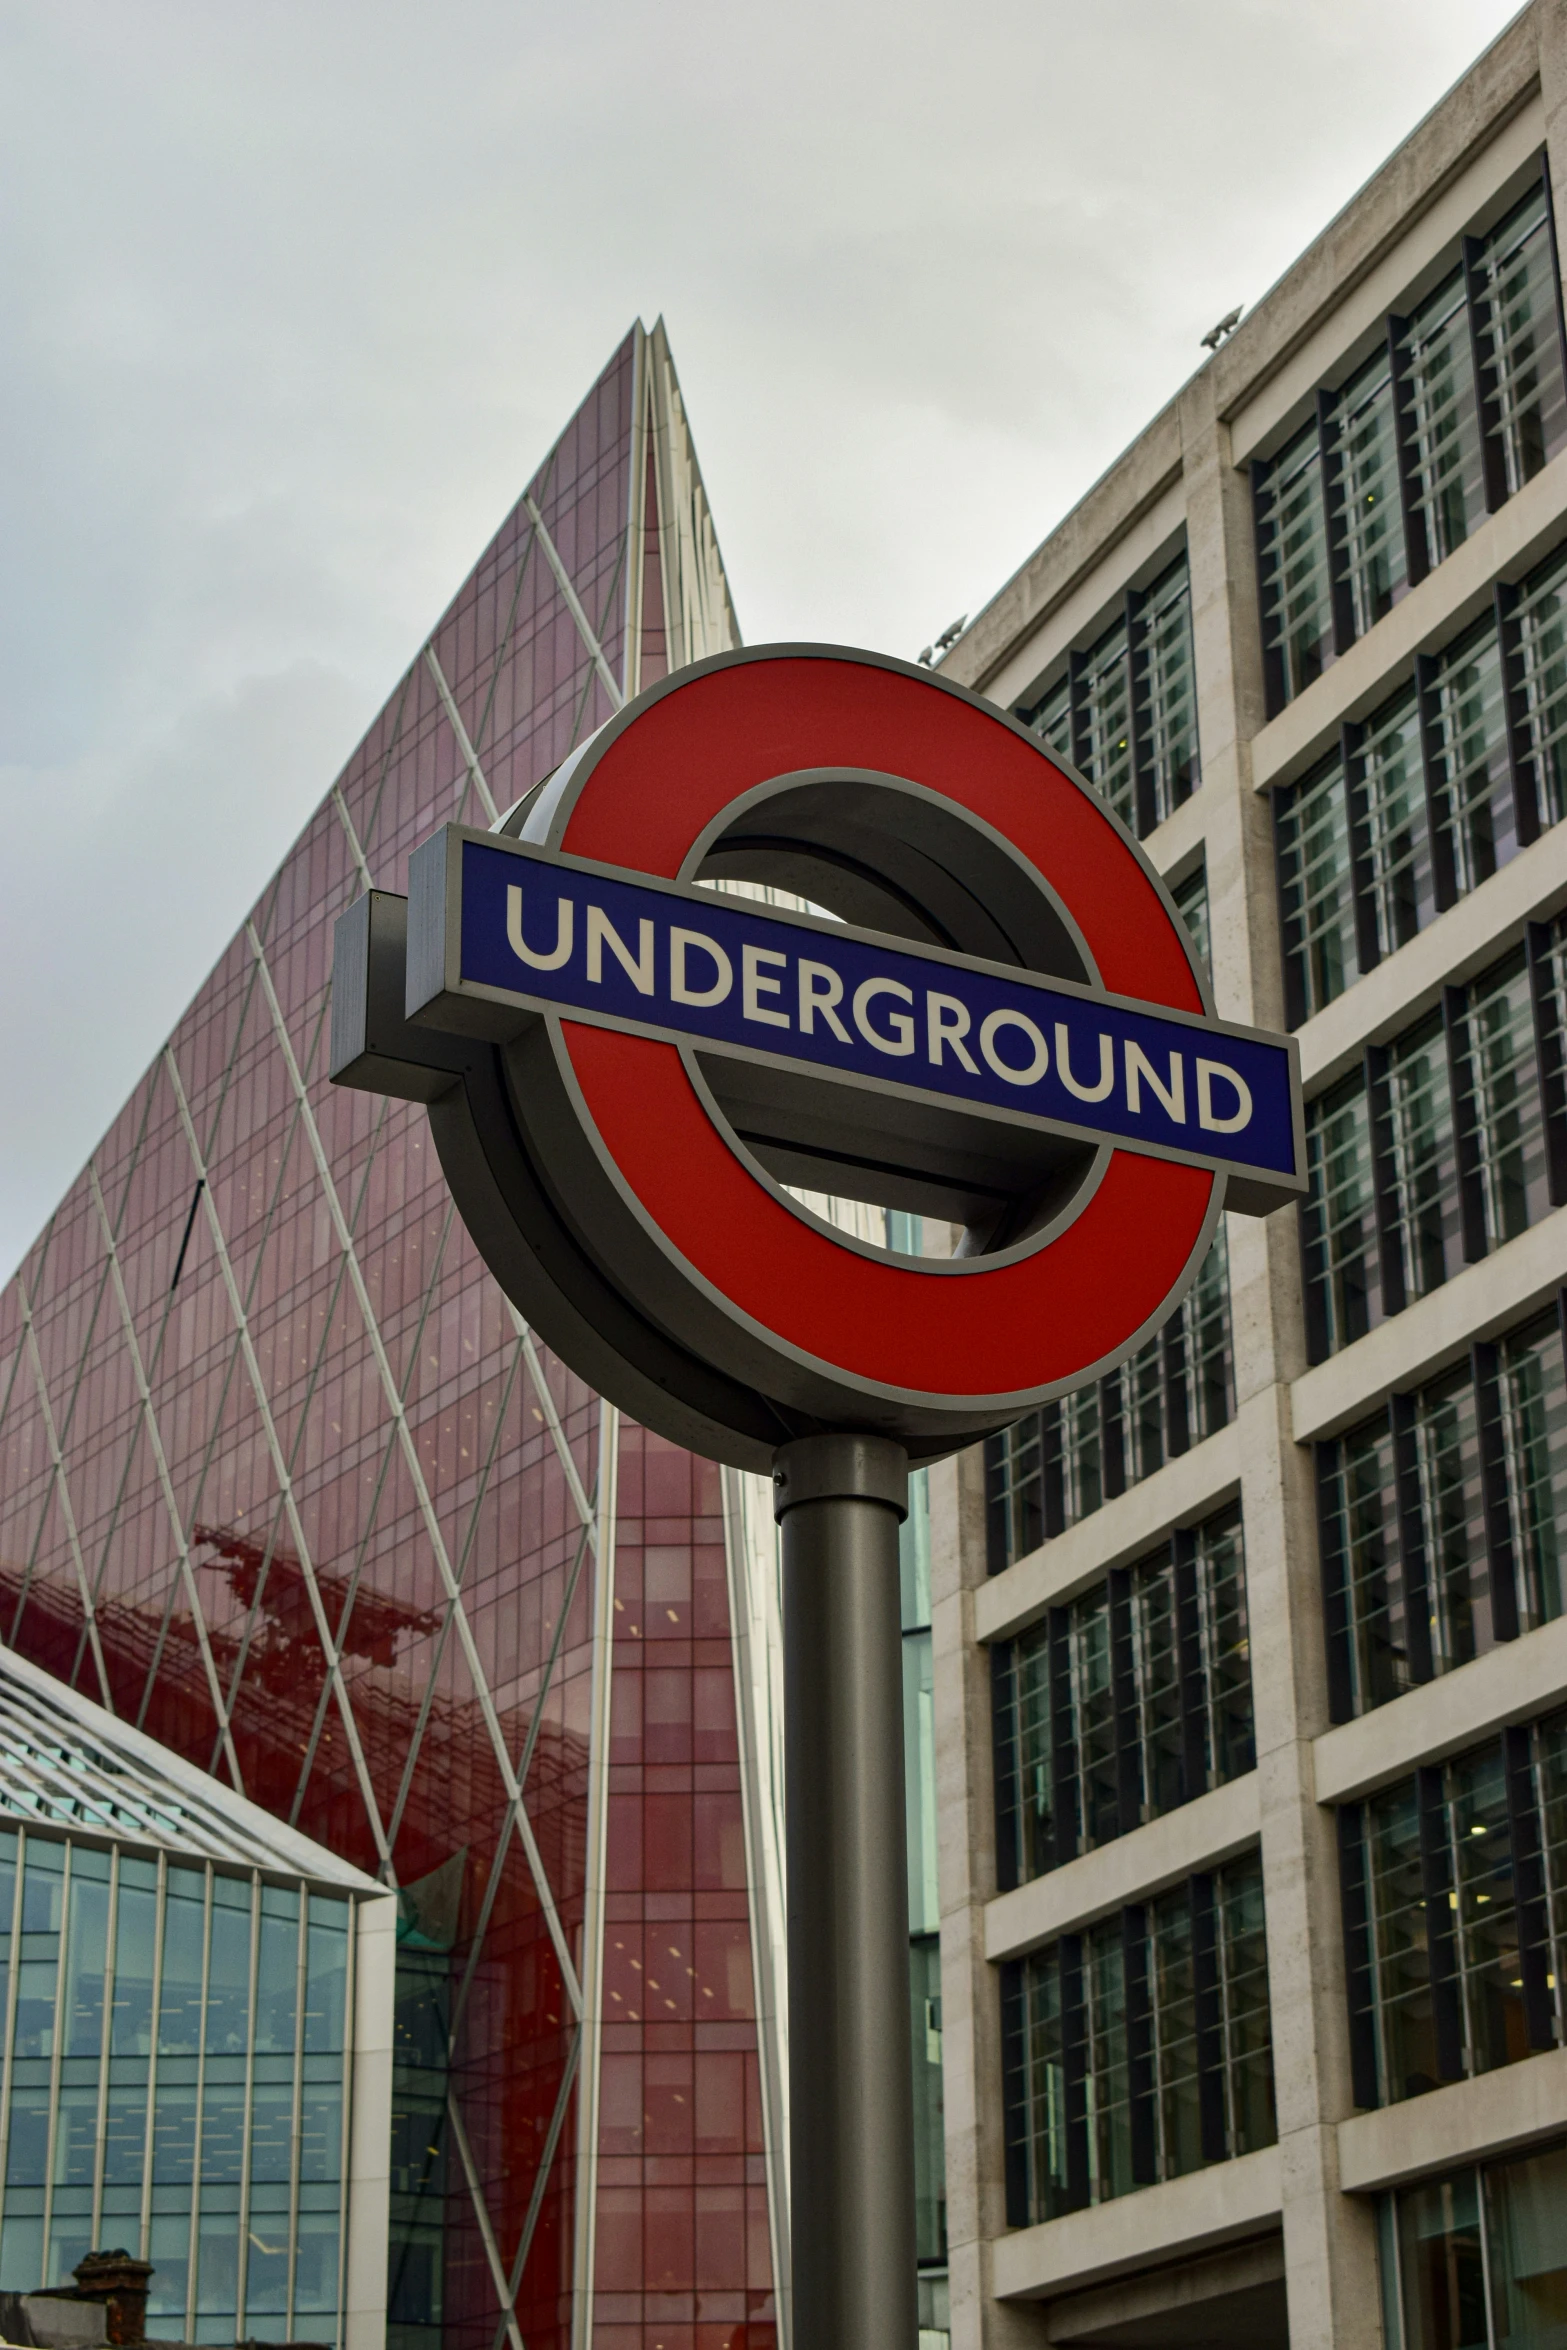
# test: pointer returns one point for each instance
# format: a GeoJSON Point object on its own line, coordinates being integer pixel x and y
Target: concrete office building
{"type": "Point", "coordinates": [1250, 1661]}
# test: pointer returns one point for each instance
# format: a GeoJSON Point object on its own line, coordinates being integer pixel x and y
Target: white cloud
{"type": "Point", "coordinates": [297, 293]}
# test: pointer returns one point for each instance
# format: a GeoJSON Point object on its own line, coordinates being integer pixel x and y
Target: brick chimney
{"type": "Point", "coordinates": [120, 2282]}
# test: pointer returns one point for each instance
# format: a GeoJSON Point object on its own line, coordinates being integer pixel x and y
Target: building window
{"type": "Point", "coordinates": [1435, 354]}
{"type": "Point", "coordinates": [1442, 1519]}
{"type": "Point", "coordinates": [1191, 903]}
{"type": "Point", "coordinates": [1343, 1286]}
{"type": "Point", "coordinates": [1139, 2049]}
{"type": "Point", "coordinates": [1429, 797]}
{"type": "Point", "coordinates": [204, 2016]}
{"type": "Point", "coordinates": [1061, 1463]}
{"type": "Point", "coordinates": [1443, 1145]}
{"type": "Point", "coordinates": [1292, 557]}
{"type": "Point", "coordinates": [1516, 304]}
{"type": "Point", "coordinates": [1125, 1704]}
{"type": "Point", "coordinates": [1125, 714]}
{"type": "Point", "coordinates": [1387, 776]}
{"type": "Point", "coordinates": [1317, 890]}
{"type": "Point", "coordinates": [1454, 1917]}
{"type": "Point", "coordinates": [1462, 404]}
{"type": "Point", "coordinates": [1367, 446]}
{"type": "Point", "coordinates": [1470, 773]}
{"type": "Point", "coordinates": [1478, 2258]}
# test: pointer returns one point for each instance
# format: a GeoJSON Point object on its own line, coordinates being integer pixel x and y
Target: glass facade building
{"type": "Point", "coordinates": [182, 1987]}
{"type": "Point", "coordinates": [284, 1481]}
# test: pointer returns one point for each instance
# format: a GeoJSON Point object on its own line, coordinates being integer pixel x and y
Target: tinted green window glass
{"type": "Point", "coordinates": [1532, 1399]}
{"type": "Point", "coordinates": [1191, 903]}
{"type": "Point", "coordinates": [1500, 1100]}
{"type": "Point", "coordinates": [1425, 1165]}
{"type": "Point", "coordinates": [1167, 694]}
{"type": "Point", "coordinates": [1541, 621]}
{"type": "Point", "coordinates": [326, 1974]}
{"type": "Point", "coordinates": [1401, 1970]}
{"type": "Point", "coordinates": [1444, 425]}
{"type": "Point", "coordinates": [1297, 613]}
{"type": "Point", "coordinates": [930, 2177]}
{"type": "Point", "coordinates": [1105, 718]}
{"type": "Point", "coordinates": [1346, 1278]}
{"type": "Point", "coordinates": [1360, 1539]}
{"type": "Point", "coordinates": [184, 1941]}
{"type": "Point", "coordinates": [1517, 275]}
{"type": "Point", "coordinates": [1051, 720]}
{"type": "Point", "coordinates": [1317, 888]}
{"type": "Point", "coordinates": [1374, 558]}
{"type": "Point", "coordinates": [1447, 1453]}
{"type": "Point", "coordinates": [1397, 844]}
{"type": "Point", "coordinates": [1443, 2265]}
{"type": "Point", "coordinates": [1470, 771]}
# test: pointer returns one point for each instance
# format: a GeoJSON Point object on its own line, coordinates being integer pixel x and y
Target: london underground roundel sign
{"type": "Point", "coordinates": [975, 1001]}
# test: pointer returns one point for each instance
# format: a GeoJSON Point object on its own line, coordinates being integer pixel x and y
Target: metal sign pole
{"type": "Point", "coordinates": [839, 1500]}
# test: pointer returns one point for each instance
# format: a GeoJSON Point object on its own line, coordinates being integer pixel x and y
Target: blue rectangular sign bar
{"type": "Point", "coordinates": [542, 932]}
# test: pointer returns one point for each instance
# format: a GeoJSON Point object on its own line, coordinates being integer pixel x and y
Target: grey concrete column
{"type": "Point", "coordinates": [1329, 2238]}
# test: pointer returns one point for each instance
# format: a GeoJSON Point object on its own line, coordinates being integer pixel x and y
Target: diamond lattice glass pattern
{"type": "Point", "coordinates": [282, 1480]}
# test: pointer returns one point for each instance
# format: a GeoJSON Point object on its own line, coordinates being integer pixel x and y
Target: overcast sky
{"type": "Point", "coordinates": [294, 295]}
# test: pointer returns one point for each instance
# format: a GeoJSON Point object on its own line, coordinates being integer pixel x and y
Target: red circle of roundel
{"type": "Point", "coordinates": [1034, 1322]}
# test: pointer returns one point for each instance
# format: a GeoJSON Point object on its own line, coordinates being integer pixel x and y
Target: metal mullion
{"type": "Point", "coordinates": [1289, 923]}
{"type": "Point", "coordinates": [1466, 1114]}
{"type": "Point", "coordinates": [1558, 314]}
{"type": "Point", "coordinates": [1433, 762]}
{"type": "Point", "coordinates": [1515, 717]}
{"type": "Point", "coordinates": [194, 2263]}
{"type": "Point", "coordinates": [1144, 793]}
{"type": "Point", "coordinates": [1368, 945]}
{"type": "Point", "coordinates": [62, 1490]}
{"type": "Point", "coordinates": [296, 2135]}
{"type": "Point", "coordinates": [269, 1428]}
{"type": "Point", "coordinates": [415, 1467]}
{"type": "Point", "coordinates": [1548, 1009]}
{"type": "Point", "coordinates": [1488, 406]}
{"type": "Point", "coordinates": [1188, 1652]}
{"type": "Point", "coordinates": [492, 2252]}
{"type": "Point", "coordinates": [1359, 1960]}
{"type": "Point", "coordinates": [345, 2134]}
{"type": "Point", "coordinates": [356, 848]}
{"type": "Point", "coordinates": [241, 2283]}
{"type": "Point", "coordinates": [1175, 1375]}
{"type": "Point", "coordinates": [1262, 500]}
{"type": "Point", "coordinates": [1141, 2077]}
{"type": "Point", "coordinates": [149, 2141]}
{"type": "Point", "coordinates": [394, 740]}
{"type": "Point", "coordinates": [104, 2039]}
{"type": "Point", "coordinates": [10, 2013]}
{"type": "Point", "coordinates": [1529, 1883]}
{"type": "Point", "coordinates": [427, 1701]}
{"type": "Point", "coordinates": [1065, 1803]}
{"type": "Point", "coordinates": [1501, 1555]}
{"type": "Point", "coordinates": [552, 1419]}
{"type": "Point", "coordinates": [1125, 1725]}
{"type": "Point", "coordinates": [1439, 1885]}
{"type": "Point", "coordinates": [1077, 710]}
{"type": "Point", "coordinates": [530, 1741]}
{"type": "Point", "coordinates": [242, 1658]}
{"type": "Point", "coordinates": [611, 596]}
{"type": "Point", "coordinates": [1337, 1612]}
{"type": "Point", "coordinates": [1384, 1181]}
{"type": "Point", "coordinates": [1417, 545]}
{"type": "Point", "coordinates": [1413, 1565]}
{"type": "Point", "coordinates": [1208, 2014]}
{"type": "Point", "coordinates": [1113, 1464]}
{"type": "Point", "coordinates": [165, 1480]}
{"type": "Point", "coordinates": [470, 756]}
{"type": "Point", "coordinates": [387, 1452]}
{"type": "Point", "coordinates": [569, 596]}
{"type": "Point", "coordinates": [1555, 1957]}
{"type": "Point", "coordinates": [57, 2054]}
{"type": "Point", "coordinates": [1330, 473]}
{"type": "Point", "coordinates": [540, 2182]}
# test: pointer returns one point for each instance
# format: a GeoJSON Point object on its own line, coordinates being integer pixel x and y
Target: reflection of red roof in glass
{"type": "Point", "coordinates": [235, 1506]}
